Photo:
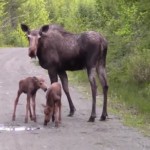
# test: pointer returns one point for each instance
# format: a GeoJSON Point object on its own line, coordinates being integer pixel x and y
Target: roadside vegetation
{"type": "Point", "coordinates": [125, 24]}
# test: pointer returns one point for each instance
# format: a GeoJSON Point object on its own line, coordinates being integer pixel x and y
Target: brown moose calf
{"type": "Point", "coordinates": [53, 104]}
{"type": "Point", "coordinates": [29, 86]}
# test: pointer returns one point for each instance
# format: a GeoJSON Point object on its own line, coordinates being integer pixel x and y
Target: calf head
{"type": "Point", "coordinates": [40, 83]}
{"type": "Point", "coordinates": [48, 111]}
{"type": "Point", "coordinates": [33, 38]}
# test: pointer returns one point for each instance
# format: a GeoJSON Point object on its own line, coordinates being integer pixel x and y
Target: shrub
{"type": "Point", "coordinates": [139, 66]}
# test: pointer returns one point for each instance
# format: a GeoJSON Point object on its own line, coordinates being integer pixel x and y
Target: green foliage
{"type": "Point", "coordinates": [35, 13]}
{"type": "Point", "coordinates": [31, 12]}
{"type": "Point", "coordinates": [139, 66]}
{"type": "Point", "coordinates": [132, 101]}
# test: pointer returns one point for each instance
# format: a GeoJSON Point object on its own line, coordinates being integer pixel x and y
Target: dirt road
{"type": "Point", "coordinates": [74, 134]}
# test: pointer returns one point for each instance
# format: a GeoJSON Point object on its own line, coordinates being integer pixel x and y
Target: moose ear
{"type": "Point", "coordinates": [44, 28]}
{"type": "Point", "coordinates": [25, 28]}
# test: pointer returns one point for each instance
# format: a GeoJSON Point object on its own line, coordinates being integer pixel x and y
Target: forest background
{"type": "Point", "coordinates": [124, 23]}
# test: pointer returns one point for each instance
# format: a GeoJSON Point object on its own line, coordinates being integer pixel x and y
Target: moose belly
{"type": "Point", "coordinates": [43, 64]}
{"type": "Point", "coordinates": [74, 65]}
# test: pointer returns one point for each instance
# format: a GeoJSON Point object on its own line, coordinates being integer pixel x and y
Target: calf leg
{"type": "Point", "coordinates": [103, 79]}
{"type": "Point", "coordinates": [31, 117]}
{"type": "Point", "coordinates": [53, 117]}
{"type": "Point", "coordinates": [15, 105]}
{"type": "Point", "coordinates": [54, 78]}
{"type": "Point", "coordinates": [27, 108]}
{"type": "Point", "coordinates": [34, 107]}
{"type": "Point", "coordinates": [64, 80]}
{"type": "Point", "coordinates": [59, 113]}
{"type": "Point", "coordinates": [48, 117]}
{"type": "Point", "coordinates": [56, 109]}
{"type": "Point", "coordinates": [91, 75]}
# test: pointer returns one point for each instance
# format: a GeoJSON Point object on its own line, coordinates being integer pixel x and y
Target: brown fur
{"type": "Point", "coordinates": [29, 86]}
{"type": "Point", "coordinates": [53, 104]}
{"type": "Point", "coordinates": [59, 51]}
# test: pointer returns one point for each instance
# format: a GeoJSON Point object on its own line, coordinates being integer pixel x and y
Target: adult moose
{"type": "Point", "coordinates": [59, 51]}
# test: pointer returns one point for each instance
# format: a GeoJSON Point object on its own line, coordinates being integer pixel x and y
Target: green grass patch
{"type": "Point", "coordinates": [132, 102]}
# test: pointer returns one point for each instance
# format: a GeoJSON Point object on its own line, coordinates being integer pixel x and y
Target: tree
{"type": "Point", "coordinates": [35, 13]}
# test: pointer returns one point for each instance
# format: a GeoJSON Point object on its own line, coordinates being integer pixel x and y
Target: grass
{"type": "Point", "coordinates": [132, 104]}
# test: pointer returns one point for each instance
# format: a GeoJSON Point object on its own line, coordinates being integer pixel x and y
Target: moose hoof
{"type": "Point", "coordinates": [103, 118]}
{"type": "Point", "coordinates": [45, 123]}
{"type": "Point", "coordinates": [34, 119]}
{"type": "Point", "coordinates": [91, 119]}
{"type": "Point", "coordinates": [13, 118]}
{"type": "Point", "coordinates": [53, 118]}
{"type": "Point", "coordinates": [31, 118]}
{"type": "Point", "coordinates": [71, 113]}
{"type": "Point", "coordinates": [56, 125]}
{"type": "Point", "coordinates": [26, 121]}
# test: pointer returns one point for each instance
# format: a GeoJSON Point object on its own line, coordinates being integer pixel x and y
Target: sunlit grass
{"type": "Point", "coordinates": [130, 102]}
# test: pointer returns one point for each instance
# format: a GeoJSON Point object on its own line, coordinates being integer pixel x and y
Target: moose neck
{"type": "Point", "coordinates": [42, 58]}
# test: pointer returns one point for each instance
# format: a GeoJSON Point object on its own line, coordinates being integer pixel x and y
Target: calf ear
{"type": "Point", "coordinates": [25, 28]}
{"type": "Point", "coordinates": [35, 79]}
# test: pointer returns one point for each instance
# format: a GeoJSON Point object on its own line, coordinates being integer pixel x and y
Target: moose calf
{"type": "Point", "coordinates": [29, 86]}
{"type": "Point", "coordinates": [52, 109]}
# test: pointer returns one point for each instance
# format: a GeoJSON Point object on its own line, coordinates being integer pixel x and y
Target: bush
{"type": "Point", "coordinates": [14, 37]}
{"type": "Point", "coordinates": [139, 66]}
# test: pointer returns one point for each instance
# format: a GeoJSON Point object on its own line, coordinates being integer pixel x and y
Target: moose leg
{"type": "Point", "coordinates": [103, 79]}
{"type": "Point", "coordinates": [91, 75]}
{"type": "Point", "coordinates": [15, 105]}
{"type": "Point", "coordinates": [34, 107]}
{"type": "Point", "coordinates": [64, 80]}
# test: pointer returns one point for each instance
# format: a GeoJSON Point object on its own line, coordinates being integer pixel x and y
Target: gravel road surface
{"type": "Point", "coordinates": [75, 133]}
